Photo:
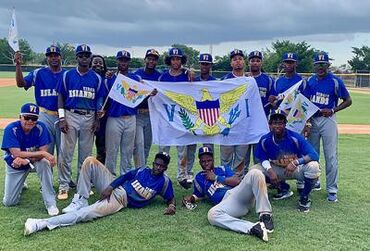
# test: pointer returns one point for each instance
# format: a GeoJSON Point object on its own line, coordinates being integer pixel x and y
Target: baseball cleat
{"type": "Point", "coordinates": [77, 203]}
{"type": "Point", "coordinates": [259, 230]}
{"type": "Point", "coordinates": [304, 205]}
{"type": "Point", "coordinates": [332, 197]}
{"type": "Point", "coordinates": [63, 194]}
{"type": "Point", "coordinates": [267, 220]}
{"type": "Point", "coordinates": [283, 195]}
{"type": "Point", "coordinates": [185, 184]}
{"type": "Point", "coordinates": [31, 226]}
{"type": "Point", "coordinates": [53, 210]}
{"type": "Point", "coordinates": [317, 186]}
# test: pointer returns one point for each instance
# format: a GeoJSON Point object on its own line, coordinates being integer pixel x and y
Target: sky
{"type": "Point", "coordinates": [216, 26]}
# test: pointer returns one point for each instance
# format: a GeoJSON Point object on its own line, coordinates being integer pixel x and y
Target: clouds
{"type": "Point", "coordinates": [124, 23]}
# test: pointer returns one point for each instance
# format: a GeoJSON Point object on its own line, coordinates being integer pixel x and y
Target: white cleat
{"type": "Point", "coordinates": [31, 226]}
{"type": "Point", "coordinates": [53, 211]}
{"type": "Point", "coordinates": [77, 203]}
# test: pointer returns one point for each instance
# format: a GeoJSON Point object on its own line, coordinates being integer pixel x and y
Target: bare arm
{"type": "Point", "coordinates": [18, 70]}
{"type": "Point", "coordinates": [33, 156]}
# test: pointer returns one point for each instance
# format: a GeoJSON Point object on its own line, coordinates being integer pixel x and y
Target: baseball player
{"type": "Point", "coordinates": [121, 123]}
{"type": "Point", "coordinates": [176, 73]}
{"type": "Point", "coordinates": [100, 67]}
{"type": "Point", "coordinates": [205, 65]}
{"type": "Point", "coordinates": [80, 97]}
{"type": "Point", "coordinates": [212, 182]}
{"type": "Point", "coordinates": [143, 138]}
{"type": "Point", "coordinates": [283, 83]}
{"type": "Point", "coordinates": [235, 156]}
{"type": "Point", "coordinates": [25, 143]}
{"type": "Point", "coordinates": [284, 154]}
{"type": "Point", "coordinates": [135, 189]}
{"type": "Point", "coordinates": [238, 201]}
{"type": "Point", "coordinates": [324, 89]}
{"type": "Point", "coordinates": [45, 82]}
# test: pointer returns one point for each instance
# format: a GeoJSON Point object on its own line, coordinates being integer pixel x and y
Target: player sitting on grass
{"type": "Point", "coordinates": [136, 189]}
{"type": "Point", "coordinates": [284, 154]}
{"type": "Point", "coordinates": [211, 182]}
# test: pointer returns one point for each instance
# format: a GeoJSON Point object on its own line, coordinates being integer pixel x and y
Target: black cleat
{"type": "Point", "coordinates": [72, 184]}
{"type": "Point", "coordinates": [304, 205]}
{"type": "Point", "coordinates": [283, 195]}
{"type": "Point", "coordinates": [259, 230]}
{"type": "Point", "coordinates": [267, 220]}
{"type": "Point", "coordinates": [185, 184]}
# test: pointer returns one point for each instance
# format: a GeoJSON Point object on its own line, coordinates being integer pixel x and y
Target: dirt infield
{"type": "Point", "coordinates": [7, 82]}
{"type": "Point", "coordinates": [343, 128]}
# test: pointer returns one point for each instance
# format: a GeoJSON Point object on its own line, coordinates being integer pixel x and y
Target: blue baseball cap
{"type": "Point", "coordinates": [205, 58]}
{"type": "Point", "coordinates": [236, 52]}
{"type": "Point", "coordinates": [52, 49]}
{"type": "Point", "coordinates": [255, 54]}
{"type": "Point", "coordinates": [290, 56]}
{"type": "Point", "coordinates": [30, 109]}
{"type": "Point", "coordinates": [205, 150]}
{"type": "Point", "coordinates": [83, 48]}
{"type": "Point", "coordinates": [321, 57]}
{"type": "Point", "coordinates": [276, 114]}
{"type": "Point", "coordinates": [152, 52]}
{"type": "Point", "coordinates": [175, 52]}
{"type": "Point", "coordinates": [123, 54]}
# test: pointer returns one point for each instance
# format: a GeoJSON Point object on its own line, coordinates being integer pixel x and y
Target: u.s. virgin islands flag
{"type": "Point", "coordinates": [225, 112]}
{"type": "Point", "coordinates": [129, 92]}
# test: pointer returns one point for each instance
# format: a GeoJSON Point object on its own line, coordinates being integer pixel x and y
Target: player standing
{"type": "Point", "coordinates": [45, 81]}
{"type": "Point", "coordinates": [143, 137]}
{"type": "Point", "coordinates": [121, 123]}
{"type": "Point", "coordinates": [324, 89]}
{"type": "Point", "coordinates": [80, 97]}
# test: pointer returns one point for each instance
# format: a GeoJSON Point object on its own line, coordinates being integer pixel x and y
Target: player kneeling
{"type": "Point", "coordinates": [136, 189]}
{"type": "Point", "coordinates": [284, 154]}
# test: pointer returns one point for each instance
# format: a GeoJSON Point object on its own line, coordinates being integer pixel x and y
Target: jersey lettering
{"type": "Point", "coordinates": [212, 189]}
{"type": "Point", "coordinates": [263, 92]}
{"type": "Point", "coordinates": [144, 192]}
{"type": "Point", "coordinates": [33, 108]}
{"type": "Point", "coordinates": [48, 93]}
{"type": "Point", "coordinates": [87, 92]}
{"type": "Point", "coordinates": [320, 98]}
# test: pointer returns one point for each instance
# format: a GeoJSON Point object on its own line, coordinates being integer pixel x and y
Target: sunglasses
{"type": "Point", "coordinates": [32, 118]}
{"type": "Point", "coordinates": [83, 55]}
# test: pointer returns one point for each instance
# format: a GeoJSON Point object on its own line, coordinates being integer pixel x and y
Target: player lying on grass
{"type": "Point", "coordinates": [212, 182]}
{"type": "Point", "coordinates": [136, 189]}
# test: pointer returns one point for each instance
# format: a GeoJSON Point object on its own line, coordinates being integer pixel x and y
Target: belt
{"type": "Point", "coordinates": [143, 110]}
{"type": "Point", "coordinates": [49, 112]}
{"type": "Point", "coordinates": [81, 111]}
{"type": "Point", "coordinates": [126, 116]}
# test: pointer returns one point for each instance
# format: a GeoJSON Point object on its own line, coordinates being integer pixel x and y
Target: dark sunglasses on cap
{"type": "Point", "coordinates": [82, 55]}
{"type": "Point", "coordinates": [32, 118]}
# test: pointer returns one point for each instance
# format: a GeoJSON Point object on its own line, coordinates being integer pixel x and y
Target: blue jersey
{"type": "Point", "coordinates": [15, 137]}
{"type": "Point", "coordinates": [283, 83]}
{"type": "Point", "coordinates": [208, 79]}
{"type": "Point", "coordinates": [45, 82]}
{"type": "Point", "coordinates": [167, 77]}
{"type": "Point", "coordinates": [142, 186]}
{"type": "Point", "coordinates": [214, 190]}
{"type": "Point", "coordinates": [264, 83]}
{"type": "Point", "coordinates": [153, 77]}
{"type": "Point", "coordinates": [325, 92]}
{"type": "Point", "coordinates": [291, 146]}
{"type": "Point", "coordinates": [117, 109]}
{"type": "Point", "coordinates": [81, 91]}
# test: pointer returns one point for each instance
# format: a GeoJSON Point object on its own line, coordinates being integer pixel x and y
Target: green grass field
{"type": "Point", "coordinates": [8, 74]}
{"type": "Point", "coordinates": [13, 97]}
{"type": "Point", "coordinates": [328, 226]}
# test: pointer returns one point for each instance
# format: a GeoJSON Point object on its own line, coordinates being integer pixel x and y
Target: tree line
{"type": "Point", "coordinates": [272, 56]}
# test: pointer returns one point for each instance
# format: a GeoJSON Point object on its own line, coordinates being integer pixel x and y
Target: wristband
{"type": "Point", "coordinates": [300, 161]}
{"type": "Point", "coordinates": [61, 113]}
{"type": "Point", "coordinates": [332, 110]}
{"type": "Point", "coordinates": [266, 165]}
